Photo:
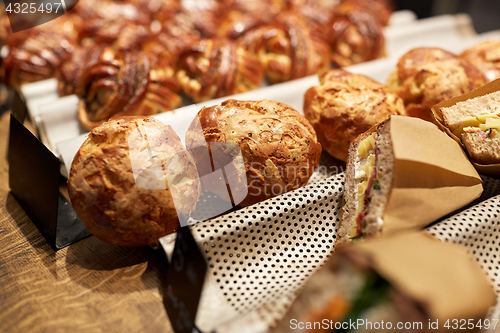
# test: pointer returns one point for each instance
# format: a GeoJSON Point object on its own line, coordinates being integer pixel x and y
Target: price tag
{"type": "Point", "coordinates": [184, 282]}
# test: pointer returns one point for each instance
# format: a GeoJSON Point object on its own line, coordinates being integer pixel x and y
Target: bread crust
{"type": "Point", "coordinates": [482, 149]}
{"type": "Point", "coordinates": [279, 146]}
{"type": "Point", "coordinates": [106, 195]}
{"type": "Point", "coordinates": [346, 105]}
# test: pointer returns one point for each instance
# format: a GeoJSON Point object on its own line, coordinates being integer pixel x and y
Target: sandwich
{"type": "Point", "coordinates": [476, 122]}
{"type": "Point", "coordinates": [369, 178]}
{"type": "Point", "coordinates": [403, 175]}
{"type": "Point", "coordinates": [407, 282]}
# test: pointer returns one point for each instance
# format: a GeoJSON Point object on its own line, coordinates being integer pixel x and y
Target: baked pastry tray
{"type": "Point", "coordinates": [260, 256]}
{"type": "Point", "coordinates": [59, 129]}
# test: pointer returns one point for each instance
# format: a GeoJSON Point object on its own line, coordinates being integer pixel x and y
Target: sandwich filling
{"type": "Point", "coordinates": [366, 176]}
{"type": "Point", "coordinates": [484, 125]}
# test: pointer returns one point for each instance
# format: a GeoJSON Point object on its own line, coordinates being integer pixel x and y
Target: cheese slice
{"type": "Point", "coordinates": [482, 122]}
{"type": "Point", "coordinates": [366, 166]}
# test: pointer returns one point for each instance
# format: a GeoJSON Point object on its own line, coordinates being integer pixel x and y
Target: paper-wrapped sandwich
{"type": "Point", "coordinates": [409, 282]}
{"type": "Point", "coordinates": [473, 119]}
{"type": "Point", "coordinates": [401, 175]}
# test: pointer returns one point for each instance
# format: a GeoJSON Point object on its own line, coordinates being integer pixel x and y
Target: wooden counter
{"type": "Point", "coordinates": [89, 286]}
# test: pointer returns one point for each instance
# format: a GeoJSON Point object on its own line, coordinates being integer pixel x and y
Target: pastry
{"type": "Point", "coordinates": [345, 105]}
{"type": "Point", "coordinates": [123, 83]}
{"type": "Point", "coordinates": [486, 57]}
{"type": "Point", "coordinates": [354, 34]}
{"type": "Point", "coordinates": [427, 76]}
{"type": "Point", "coordinates": [215, 68]}
{"type": "Point", "coordinates": [123, 196]}
{"type": "Point", "coordinates": [317, 13]}
{"type": "Point", "coordinates": [104, 22]}
{"type": "Point", "coordinates": [204, 14]}
{"type": "Point", "coordinates": [71, 70]}
{"type": "Point", "coordinates": [278, 145]}
{"type": "Point", "coordinates": [286, 49]}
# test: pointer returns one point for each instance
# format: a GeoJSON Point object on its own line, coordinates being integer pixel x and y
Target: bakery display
{"type": "Point", "coordinates": [345, 105]}
{"type": "Point", "coordinates": [401, 175]}
{"type": "Point", "coordinates": [291, 39]}
{"type": "Point", "coordinates": [124, 196]}
{"type": "Point", "coordinates": [486, 57]}
{"type": "Point", "coordinates": [278, 145]}
{"type": "Point", "coordinates": [118, 83]}
{"type": "Point", "coordinates": [426, 76]}
{"type": "Point", "coordinates": [410, 279]}
{"type": "Point", "coordinates": [142, 65]}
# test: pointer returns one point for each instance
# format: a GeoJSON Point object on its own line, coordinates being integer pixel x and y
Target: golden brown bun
{"type": "Point", "coordinates": [427, 76]}
{"type": "Point", "coordinates": [486, 57]}
{"type": "Point", "coordinates": [215, 68]}
{"type": "Point", "coordinates": [279, 146]}
{"type": "Point", "coordinates": [345, 105]}
{"type": "Point", "coordinates": [118, 84]}
{"type": "Point", "coordinates": [105, 194]}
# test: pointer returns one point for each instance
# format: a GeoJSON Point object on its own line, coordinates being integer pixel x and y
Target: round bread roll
{"type": "Point", "coordinates": [124, 179]}
{"type": "Point", "coordinates": [426, 76]}
{"type": "Point", "coordinates": [278, 146]}
{"type": "Point", "coordinates": [345, 105]}
{"type": "Point", "coordinates": [486, 57]}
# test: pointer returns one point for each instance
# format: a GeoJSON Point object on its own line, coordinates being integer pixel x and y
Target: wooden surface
{"type": "Point", "coordinates": [89, 286]}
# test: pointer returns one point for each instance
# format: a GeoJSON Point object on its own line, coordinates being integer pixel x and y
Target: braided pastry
{"type": "Point", "coordinates": [355, 35]}
{"type": "Point", "coordinates": [70, 72]}
{"type": "Point", "coordinates": [286, 49]}
{"type": "Point", "coordinates": [35, 54]}
{"type": "Point", "coordinates": [236, 24]}
{"type": "Point", "coordinates": [204, 15]}
{"type": "Point", "coordinates": [123, 84]}
{"type": "Point", "coordinates": [379, 9]}
{"type": "Point", "coordinates": [105, 22]}
{"type": "Point", "coordinates": [317, 13]}
{"type": "Point", "coordinates": [215, 68]}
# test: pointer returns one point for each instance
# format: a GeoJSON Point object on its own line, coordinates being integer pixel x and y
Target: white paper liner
{"type": "Point", "coordinates": [478, 230]}
{"type": "Point", "coordinates": [260, 256]}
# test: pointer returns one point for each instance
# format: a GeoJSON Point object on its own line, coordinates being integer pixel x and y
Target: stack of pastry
{"type": "Point", "coordinates": [215, 47]}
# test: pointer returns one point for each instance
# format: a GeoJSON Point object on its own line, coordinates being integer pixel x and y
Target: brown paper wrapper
{"type": "Point", "coordinates": [432, 176]}
{"type": "Point", "coordinates": [440, 276]}
{"type": "Point", "coordinates": [490, 169]}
